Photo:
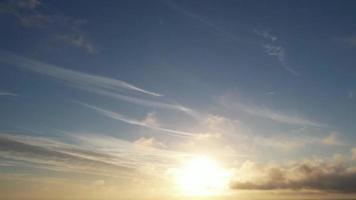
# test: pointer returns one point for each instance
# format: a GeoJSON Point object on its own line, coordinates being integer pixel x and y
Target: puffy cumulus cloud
{"type": "Point", "coordinates": [318, 175]}
{"type": "Point", "coordinates": [149, 142]}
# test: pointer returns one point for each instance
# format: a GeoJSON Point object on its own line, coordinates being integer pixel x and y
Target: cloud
{"type": "Point", "coordinates": [149, 142]}
{"type": "Point", "coordinates": [351, 40]}
{"type": "Point", "coordinates": [75, 78]}
{"type": "Point", "coordinates": [353, 153]}
{"type": "Point", "coordinates": [60, 27]}
{"type": "Point", "coordinates": [280, 53]}
{"type": "Point", "coordinates": [275, 50]}
{"type": "Point", "coordinates": [78, 41]}
{"type": "Point", "coordinates": [93, 83]}
{"type": "Point", "coordinates": [89, 154]}
{"type": "Point", "coordinates": [307, 175]}
{"type": "Point", "coordinates": [143, 123]}
{"type": "Point", "coordinates": [174, 6]}
{"type": "Point", "coordinates": [56, 157]}
{"type": "Point", "coordinates": [151, 119]}
{"type": "Point", "coordinates": [270, 114]}
{"type": "Point", "coordinates": [283, 143]}
{"type": "Point", "coordinates": [332, 139]}
{"type": "Point", "coordinates": [266, 34]}
{"type": "Point", "coordinates": [8, 94]}
{"type": "Point", "coordinates": [26, 4]}
{"type": "Point", "coordinates": [351, 94]}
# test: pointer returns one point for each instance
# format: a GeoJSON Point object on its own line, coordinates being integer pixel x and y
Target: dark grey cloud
{"type": "Point", "coordinates": [320, 176]}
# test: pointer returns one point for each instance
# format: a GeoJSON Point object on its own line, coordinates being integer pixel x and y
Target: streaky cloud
{"type": "Point", "coordinates": [268, 113]}
{"type": "Point", "coordinates": [120, 117]}
{"type": "Point", "coordinates": [8, 94]}
{"type": "Point", "coordinates": [56, 157]}
{"type": "Point", "coordinates": [82, 153]}
{"type": "Point", "coordinates": [100, 85]}
{"type": "Point", "coordinates": [75, 78]}
{"type": "Point", "coordinates": [147, 102]}
{"type": "Point", "coordinates": [174, 6]}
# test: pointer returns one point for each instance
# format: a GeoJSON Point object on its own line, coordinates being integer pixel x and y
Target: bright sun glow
{"type": "Point", "coordinates": [201, 176]}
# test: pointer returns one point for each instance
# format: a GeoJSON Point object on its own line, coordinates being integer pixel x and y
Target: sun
{"type": "Point", "coordinates": [201, 176]}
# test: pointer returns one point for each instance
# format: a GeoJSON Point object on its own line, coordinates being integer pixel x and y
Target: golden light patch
{"type": "Point", "coordinates": [201, 176]}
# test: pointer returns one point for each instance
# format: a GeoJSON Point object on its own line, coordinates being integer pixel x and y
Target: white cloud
{"type": "Point", "coordinates": [93, 83]}
{"type": "Point", "coordinates": [142, 123]}
{"type": "Point", "coordinates": [151, 119]}
{"type": "Point", "coordinates": [77, 40]}
{"type": "Point", "coordinates": [266, 34]}
{"type": "Point", "coordinates": [270, 114]}
{"type": "Point", "coordinates": [149, 142]}
{"type": "Point", "coordinates": [75, 78]}
{"type": "Point", "coordinates": [88, 154]}
{"type": "Point", "coordinates": [280, 53]}
{"type": "Point", "coordinates": [8, 94]}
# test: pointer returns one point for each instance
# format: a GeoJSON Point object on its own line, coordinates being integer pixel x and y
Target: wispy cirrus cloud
{"type": "Point", "coordinates": [280, 53]}
{"type": "Point", "coordinates": [74, 78]}
{"type": "Point", "coordinates": [268, 113]}
{"type": "Point", "coordinates": [273, 49]}
{"type": "Point", "coordinates": [146, 122]}
{"type": "Point", "coordinates": [82, 154]}
{"type": "Point", "coordinates": [77, 40]}
{"type": "Point", "coordinates": [8, 94]}
{"type": "Point", "coordinates": [203, 20]}
{"type": "Point", "coordinates": [266, 34]}
{"type": "Point", "coordinates": [277, 116]}
{"type": "Point", "coordinates": [149, 142]}
{"type": "Point", "coordinates": [55, 155]}
{"type": "Point", "coordinates": [100, 85]}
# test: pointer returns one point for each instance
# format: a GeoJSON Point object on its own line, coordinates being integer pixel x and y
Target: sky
{"type": "Point", "coordinates": [110, 99]}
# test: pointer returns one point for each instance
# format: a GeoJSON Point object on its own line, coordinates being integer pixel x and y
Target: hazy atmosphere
{"type": "Point", "coordinates": [177, 99]}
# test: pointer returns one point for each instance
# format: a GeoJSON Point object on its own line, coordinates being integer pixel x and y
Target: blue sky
{"type": "Point", "coordinates": [242, 81]}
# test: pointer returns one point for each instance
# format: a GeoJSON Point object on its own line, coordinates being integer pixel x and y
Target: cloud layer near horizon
{"type": "Point", "coordinates": [328, 176]}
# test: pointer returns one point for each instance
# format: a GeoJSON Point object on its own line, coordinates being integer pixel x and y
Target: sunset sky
{"type": "Point", "coordinates": [177, 99]}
